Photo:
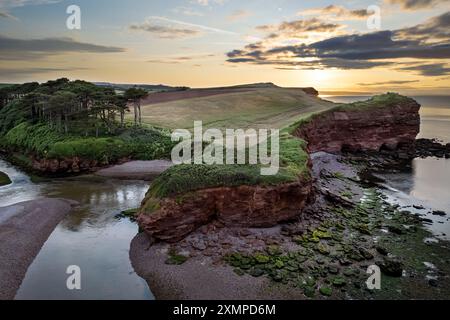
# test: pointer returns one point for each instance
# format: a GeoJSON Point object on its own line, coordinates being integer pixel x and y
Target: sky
{"type": "Point", "coordinates": [342, 46]}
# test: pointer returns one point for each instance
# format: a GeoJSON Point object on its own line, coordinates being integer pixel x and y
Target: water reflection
{"type": "Point", "coordinates": [428, 185]}
{"type": "Point", "coordinates": [90, 237]}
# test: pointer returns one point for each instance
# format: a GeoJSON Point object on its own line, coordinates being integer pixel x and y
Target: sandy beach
{"type": "Point", "coordinates": [136, 170]}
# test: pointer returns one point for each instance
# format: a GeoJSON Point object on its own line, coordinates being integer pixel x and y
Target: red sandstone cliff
{"type": "Point", "coordinates": [368, 128]}
{"type": "Point", "coordinates": [246, 206]}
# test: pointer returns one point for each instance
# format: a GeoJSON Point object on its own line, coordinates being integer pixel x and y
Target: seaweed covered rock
{"type": "Point", "coordinates": [392, 266]}
{"type": "Point", "coordinates": [4, 179]}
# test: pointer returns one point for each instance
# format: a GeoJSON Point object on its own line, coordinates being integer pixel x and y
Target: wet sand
{"type": "Point", "coordinates": [24, 228]}
{"type": "Point", "coordinates": [366, 230]}
{"type": "Point", "coordinates": [136, 170]}
{"type": "Point", "coordinates": [196, 279]}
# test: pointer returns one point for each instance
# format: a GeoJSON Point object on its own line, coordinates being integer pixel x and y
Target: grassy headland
{"type": "Point", "coordinates": [380, 101]}
{"type": "Point", "coordinates": [293, 158]}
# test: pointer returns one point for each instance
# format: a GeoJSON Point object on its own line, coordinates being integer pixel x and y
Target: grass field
{"type": "Point", "coordinates": [252, 108]}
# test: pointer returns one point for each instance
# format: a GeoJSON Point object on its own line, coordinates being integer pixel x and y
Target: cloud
{"type": "Point", "coordinates": [337, 12]}
{"type": "Point", "coordinates": [23, 49]}
{"type": "Point", "coordinates": [165, 28]}
{"type": "Point", "coordinates": [416, 4]}
{"type": "Point", "coordinates": [297, 26]}
{"type": "Point", "coordinates": [436, 28]}
{"type": "Point", "coordinates": [239, 15]}
{"type": "Point", "coordinates": [208, 2]}
{"type": "Point", "coordinates": [164, 32]}
{"type": "Point", "coordinates": [378, 45]}
{"type": "Point", "coordinates": [22, 3]}
{"type": "Point", "coordinates": [315, 64]}
{"type": "Point", "coordinates": [291, 31]}
{"type": "Point", "coordinates": [19, 72]}
{"type": "Point", "coordinates": [430, 70]}
{"type": "Point", "coordinates": [181, 59]}
{"type": "Point", "coordinates": [394, 82]}
{"type": "Point", "coordinates": [7, 15]}
{"type": "Point", "coordinates": [314, 24]}
{"type": "Point", "coordinates": [187, 11]}
{"type": "Point", "coordinates": [355, 51]}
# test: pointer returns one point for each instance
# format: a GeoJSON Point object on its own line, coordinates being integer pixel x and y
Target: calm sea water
{"type": "Point", "coordinates": [428, 183]}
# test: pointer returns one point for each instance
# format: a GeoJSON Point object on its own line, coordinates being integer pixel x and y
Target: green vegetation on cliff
{"type": "Point", "coordinates": [186, 178]}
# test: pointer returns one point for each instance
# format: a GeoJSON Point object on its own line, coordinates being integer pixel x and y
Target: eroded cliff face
{"type": "Point", "coordinates": [363, 129]}
{"type": "Point", "coordinates": [243, 206]}
{"type": "Point", "coordinates": [69, 165]}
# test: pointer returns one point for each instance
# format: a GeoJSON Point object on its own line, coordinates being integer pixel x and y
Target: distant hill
{"type": "Point", "coordinates": [259, 85]}
{"type": "Point", "coordinates": [148, 87]}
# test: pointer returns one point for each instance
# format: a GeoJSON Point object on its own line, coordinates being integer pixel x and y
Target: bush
{"type": "Point", "coordinates": [106, 150]}
{"type": "Point", "coordinates": [40, 139]}
{"type": "Point", "coordinates": [32, 138]}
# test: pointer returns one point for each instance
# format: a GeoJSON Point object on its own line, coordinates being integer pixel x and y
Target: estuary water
{"type": "Point", "coordinates": [90, 237]}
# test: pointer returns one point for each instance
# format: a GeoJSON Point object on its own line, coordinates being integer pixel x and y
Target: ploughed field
{"type": "Point", "coordinates": [234, 107]}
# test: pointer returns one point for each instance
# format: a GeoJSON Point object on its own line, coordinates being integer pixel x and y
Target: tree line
{"type": "Point", "coordinates": [79, 106]}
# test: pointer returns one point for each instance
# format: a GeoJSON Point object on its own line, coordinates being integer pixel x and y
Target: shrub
{"type": "Point", "coordinates": [145, 144]}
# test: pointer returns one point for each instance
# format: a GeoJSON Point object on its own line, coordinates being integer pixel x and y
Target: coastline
{"type": "Point", "coordinates": [334, 263]}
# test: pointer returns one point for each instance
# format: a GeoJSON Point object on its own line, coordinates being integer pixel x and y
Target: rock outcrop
{"type": "Point", "coordinates": [363, 129]}
{"type": "Point", "coordinates": [432, 148]}
{"type": "Point", "coordinates": [311, 91]}
{"type": "Point", "coordinates": [244, 206]}
{"type": "Point", "coordinates": [388, 121]}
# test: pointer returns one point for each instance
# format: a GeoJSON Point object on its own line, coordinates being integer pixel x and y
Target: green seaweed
{"type": "Point", "coordinates": [4, 179]}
